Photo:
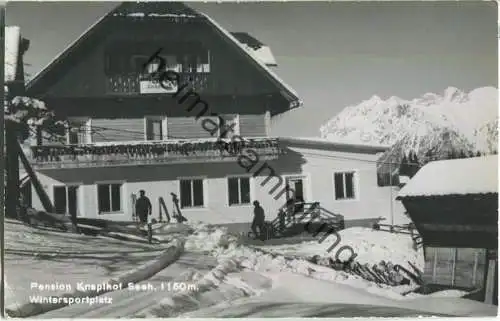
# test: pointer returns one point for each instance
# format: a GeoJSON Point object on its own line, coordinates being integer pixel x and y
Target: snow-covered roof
{"type": "Point", "coordinates": [257, 48]}
{"type": "Point", "coordinates": [153, 9]}
{"type": "Point", "coordinates": [477, 175]}
{"type": "Point", "coordinates": [290, 91]}
{"type": "Point", "coordinates": [318, 141]}
{"type": "Point", "coordinates": [12, 42]}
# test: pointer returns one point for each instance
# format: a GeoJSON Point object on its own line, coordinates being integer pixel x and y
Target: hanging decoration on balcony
{"type": "Point", "coordinates": [150, 84]}
{"type": "Point", "coordinates": [152, 152]}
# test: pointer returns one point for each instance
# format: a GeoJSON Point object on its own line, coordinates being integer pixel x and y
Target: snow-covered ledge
{"type": "Point", "coordinates": [150, 152]}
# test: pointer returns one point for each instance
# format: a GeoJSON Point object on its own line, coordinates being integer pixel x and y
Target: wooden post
{"type": "Point", "coordinates": [454, 266]}
{"type": "Point", "coordinates": [42, 195]}
{"type": "Point", "coordinates": [490, 282]}
{"type": "Point", "coordinates": [474, 268]}
{"type": "Point", "coordinates": [39, 139]}
{"type": "Point", "coordinates": [12, 169]}
{"type": "Point", "coordinates": [434, 266]}
{"type": "Point", "coordinates": [133, 198]}
{"type": "Point", "coordinates": [2, 155]}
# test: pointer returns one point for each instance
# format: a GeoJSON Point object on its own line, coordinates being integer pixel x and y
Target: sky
{"type": "Point", "coordinates": [334, 54]}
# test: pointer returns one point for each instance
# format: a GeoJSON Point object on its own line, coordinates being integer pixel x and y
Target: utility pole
{"type": "Point", "coordinates": [391, 187]}
{"type": "Point", "coordinates": [12, 169]}
{"type": "Point", "coordinates": [2, 131]}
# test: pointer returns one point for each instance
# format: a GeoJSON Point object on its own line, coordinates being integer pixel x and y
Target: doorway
{"type": "Point", "coordinates": [296, 192]}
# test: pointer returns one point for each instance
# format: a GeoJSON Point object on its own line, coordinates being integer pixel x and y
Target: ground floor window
{"type": "Point", "coordinates": [191, 193]}
{"type": "Point", "coordinates": [344, 185]}
{"type": "Point", "coordinates": [238, 190]}
{"type": "Point", "coordinates": [109, 198]}
{"type": "Point", "coordinates": [66, 199]}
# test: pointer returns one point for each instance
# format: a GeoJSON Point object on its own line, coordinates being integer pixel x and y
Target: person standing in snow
{"type": "Point", "coordinates": [258, 220]}
{"type": "Point", "coordinates": [143, 210]}
{"type": "Point", "coordinates": [143, 207]}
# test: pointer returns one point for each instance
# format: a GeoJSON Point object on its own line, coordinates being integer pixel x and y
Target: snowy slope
{"type": "Point", "coordinates": [467, 120]}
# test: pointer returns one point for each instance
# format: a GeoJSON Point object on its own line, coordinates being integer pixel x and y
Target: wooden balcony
{"type": "Point", "coordinates": [149, 153]}
{"type": "Point", "coordinates": [129, 84]}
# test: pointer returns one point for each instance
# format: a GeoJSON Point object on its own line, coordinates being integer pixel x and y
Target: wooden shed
{"type": "Point", "coordinates": [454, 205]}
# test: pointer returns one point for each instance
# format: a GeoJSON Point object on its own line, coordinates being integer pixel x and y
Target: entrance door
{"type": "Point", "coordinates": [296, 192]}
{"type": "Point", "coordinates": [296, 185]}
{"type": "Point", "coordinates": [73, 201]}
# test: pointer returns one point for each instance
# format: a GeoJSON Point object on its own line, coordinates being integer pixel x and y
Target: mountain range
{"type": "Point", "coordinates": [454, 120]}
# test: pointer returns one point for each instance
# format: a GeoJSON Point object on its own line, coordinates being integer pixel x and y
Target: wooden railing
{"type": "Point", "coordinates": [129, 84]}
{"type": "Point", "coordinates": [302, 213]}
{"type": "Point", "coordinates": [143, 153]}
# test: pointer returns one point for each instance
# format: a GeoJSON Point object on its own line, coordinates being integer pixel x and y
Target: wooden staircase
{"type": "Point", "coordinates": [303, 217]}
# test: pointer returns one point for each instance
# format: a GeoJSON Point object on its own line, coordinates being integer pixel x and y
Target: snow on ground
{"type": "Point", "coordinates": [298, 295]}
{"type": "Point", "coordinates": [371, 246]}
{"type": "Point", "coordinates": [50, 257]}
{"type": "Point", "coordinates": [245, 277]}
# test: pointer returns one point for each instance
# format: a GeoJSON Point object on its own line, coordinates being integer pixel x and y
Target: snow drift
{"type": "Point", "coordinates": [372, 247]}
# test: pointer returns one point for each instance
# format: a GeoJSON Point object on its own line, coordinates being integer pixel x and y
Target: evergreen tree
{"type": "Point", "coordinates": [413, 166]}
{"type": "Point", "coordinates": [478, 154]}
{"type": "Point", "coordinates": [403, 167]}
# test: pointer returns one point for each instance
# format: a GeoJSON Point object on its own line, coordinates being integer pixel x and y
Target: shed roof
{"type": "Point", "coordinates": [477, 175]}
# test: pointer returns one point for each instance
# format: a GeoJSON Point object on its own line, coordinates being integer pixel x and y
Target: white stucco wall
{"type": "Point", "coordinates": [317, 166]}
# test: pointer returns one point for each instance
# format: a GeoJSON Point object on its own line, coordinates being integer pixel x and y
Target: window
{"type": "Point", "coordinates": [239, 190]}
{"type": "Point", "coordinates": [66, 200]}
{"type": "Point", "coordinates": [138, 62]}
{"type": "Point", "coordinates": [109, 197]}
{"type": "Point", "coordinates": [191, 193]}
{"type": "Point", "coordinates": [154, 129]}
{"type": "Point", "coordinates": [79, 132]}
{"type": "Point", "coordinates": [344, 186]}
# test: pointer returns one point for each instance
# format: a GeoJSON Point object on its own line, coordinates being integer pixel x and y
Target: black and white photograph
{"type": "Point", "coordinates": [250, 159]}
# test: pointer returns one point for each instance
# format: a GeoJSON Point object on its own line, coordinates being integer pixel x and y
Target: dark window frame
{"type": "Point", "coordinates": [239, 201]}
{"type": "Point", "coordinates": [191, 201]}
{"type": "Point", "coordinates": [112, 204]}
{"type": "Point", "coordinates": [66, 189]}
{"type": "Point", "coordinates": [345, 186]}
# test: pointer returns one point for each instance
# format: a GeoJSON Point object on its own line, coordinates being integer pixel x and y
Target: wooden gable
{"type": "Point", "coordinates": [87, 69]}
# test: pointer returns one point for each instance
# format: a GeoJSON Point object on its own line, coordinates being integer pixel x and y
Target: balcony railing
{"type": "Point", "coordinates": [154, 152]}
{"type": "Point", "coordinates": [129, 84]}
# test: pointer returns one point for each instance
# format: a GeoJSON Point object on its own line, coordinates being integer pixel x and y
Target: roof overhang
{"type": "Point", "coordinates": [325, 144]}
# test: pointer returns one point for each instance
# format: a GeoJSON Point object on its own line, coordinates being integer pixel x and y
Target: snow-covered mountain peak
{"type": "Point", "coordinates": [453, 94]}
{"type": "Point", "coordinates": [379, 121]}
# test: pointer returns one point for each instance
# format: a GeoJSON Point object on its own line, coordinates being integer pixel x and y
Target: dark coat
{"type": "Point", "coordinates": [143, 206]}
{"type": "Point", "coordinates": [258, 214]}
